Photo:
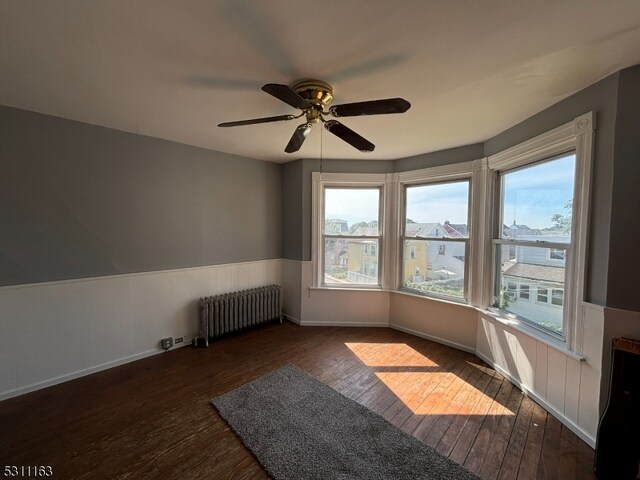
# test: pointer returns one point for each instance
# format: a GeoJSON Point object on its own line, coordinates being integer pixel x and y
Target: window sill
{"type": "Point", "coordinates": [359, 288]}
{"type": "Point", "coordinates": [461, 303]}
{"type": "Point", "coordinates": [532, 332]}
{"type": "Point", "coordinates": [450, 301]}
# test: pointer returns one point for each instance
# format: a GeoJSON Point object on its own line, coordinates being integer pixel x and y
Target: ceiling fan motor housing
{"type": "Point", "coordinates": [316, 92]}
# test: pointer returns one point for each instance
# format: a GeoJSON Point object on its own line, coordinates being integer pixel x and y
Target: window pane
{"type": "Point", "coordinates": [537, 200]}
{"type": "Point", "coordinates": [557, 297]}
{"type": "Point", "coordinates": [426, 271]}
{"type": "Point", "coordinates": [438, 210]}
{"type": "Point", "coordinates": [349, 261]}
{"type": "Point", "coordinates": [351, 211]}
{"type": "Point", "coordinates": [525, 277]}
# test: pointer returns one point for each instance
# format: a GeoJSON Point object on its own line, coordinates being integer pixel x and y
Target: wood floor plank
{"type": "Point", "coordinates": [528, 468]}
{"type": "Point", "coordinates": [477, 382]}
{"type": "Point", "coordinates": [152, 418]}
{"type": "Point", "coordinates": [500, 438]}
{"type": "Point", "coordinates": [517, 441]}
{"type": "Point", "coordinates": [548, 466]}
{"type": "Point", "coordinates": [472, 406]}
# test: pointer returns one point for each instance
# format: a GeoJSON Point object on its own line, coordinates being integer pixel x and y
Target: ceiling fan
{"type": "Point", "coordinates": [313, 97]}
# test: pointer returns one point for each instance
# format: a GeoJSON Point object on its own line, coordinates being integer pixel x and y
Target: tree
{"type": "Point", "coordinates": [356, 226]}
{"type": "Point", "coordinates": [563, 222]}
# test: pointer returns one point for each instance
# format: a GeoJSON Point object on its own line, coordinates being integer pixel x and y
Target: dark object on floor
{"type": "Point", "coordinates": [618, 447]}
{"type": "Point", "coordinates": [299, 428]}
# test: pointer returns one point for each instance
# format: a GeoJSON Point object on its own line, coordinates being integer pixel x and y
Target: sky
{"type": "Point", "coordinates": [531, 195]}
{"type": "Point", "coordinates": [439, 202]}
{"type": "Point", "coordinates": [353, 204]}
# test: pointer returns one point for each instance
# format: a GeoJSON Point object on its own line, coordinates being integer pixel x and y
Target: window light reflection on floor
{"type": "Point", "coordinates": [421, 384]}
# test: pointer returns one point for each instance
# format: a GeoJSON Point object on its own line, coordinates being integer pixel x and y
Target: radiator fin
{"type": "Point", "coordinates": [234, 311]}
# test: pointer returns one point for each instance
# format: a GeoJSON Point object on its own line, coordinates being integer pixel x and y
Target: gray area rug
{"type": "Point", "coordinates": [299, 428]}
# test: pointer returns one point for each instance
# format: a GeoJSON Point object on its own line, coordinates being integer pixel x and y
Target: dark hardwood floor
{"type": "Point", "coordinates": [152, 418]}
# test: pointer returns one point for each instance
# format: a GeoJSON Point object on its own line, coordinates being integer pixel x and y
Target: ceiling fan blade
{"type": "Point", "coordinates": [349, 136]}
{"type": "Point", "coordinates": [373, 107]}
{"type": "Point", "coordinates": [257, 120]}
{"type": "Point", "coordinates": [284, 93]}
{"type": "Point", "coordinates": [298, 138]}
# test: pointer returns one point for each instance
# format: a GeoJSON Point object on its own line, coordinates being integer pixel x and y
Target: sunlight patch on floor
{"type": "Point", "coordinates": [419, 382]}
{"type": "Point", "coordinates": [430, 393]}
{"type": "Point", "coordinates": [389, 354]}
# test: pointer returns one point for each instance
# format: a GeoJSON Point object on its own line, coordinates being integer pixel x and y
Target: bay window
{"type": "Point", "coordinates": [505, 234]}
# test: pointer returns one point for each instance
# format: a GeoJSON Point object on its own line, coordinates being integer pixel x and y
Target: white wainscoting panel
{"type": "Point", "coordinates": [565, 386]}
{"type": "Point", "coordinates": [340, 307]}
{"type": "Point", "coordinates": [56, 331]}
{"type": "Point", "coordinates": [444, 322]}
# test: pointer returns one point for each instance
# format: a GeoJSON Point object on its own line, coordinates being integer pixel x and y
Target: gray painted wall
{"type": "Point", "coordinates": [292, 186]}
{"type": "Point", "coordinates": [78, 200]}
{"type": "Point", "coordinates": [467, 153]}
{"type": "Point", "coordinates": [624, 253]}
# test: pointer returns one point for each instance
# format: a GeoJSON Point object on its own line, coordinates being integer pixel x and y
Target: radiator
{"type": "Point", "coordinates": [230, 312]}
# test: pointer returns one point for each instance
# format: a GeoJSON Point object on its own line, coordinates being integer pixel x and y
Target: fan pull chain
{"type": "Point", "coordinates": [321, 137]}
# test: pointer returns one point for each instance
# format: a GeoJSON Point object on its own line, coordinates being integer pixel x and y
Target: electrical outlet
{"type": "Point", "coordinates": [178, 340]}
{"type": "Point", "coordinates": [166, 343]}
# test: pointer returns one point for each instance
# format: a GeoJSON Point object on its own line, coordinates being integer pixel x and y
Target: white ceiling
{"type": "Point", "coordinates": [175, 69]}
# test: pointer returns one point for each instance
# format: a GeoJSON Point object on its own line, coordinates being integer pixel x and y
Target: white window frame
{"type": "Point", "coordinates": [575, 136]}
{"type": "Point", "coordinates": [464, 171]}
{"type": "Point", "coordinates": [320, 181]}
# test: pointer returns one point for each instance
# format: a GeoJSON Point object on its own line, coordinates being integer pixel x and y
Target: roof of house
{"type": "Point", "coordinates": [371, 229]}
{"type": "Point", "coordinates": [452, 231]}
{"type": "Point", "coordinates": [335, 225]}
{"type": "Point", "coordinates": [425, 230]}
{"type": "Point", "coordinates": [515, 231]}
{"type": "Point", "coordinates": [542, 273]}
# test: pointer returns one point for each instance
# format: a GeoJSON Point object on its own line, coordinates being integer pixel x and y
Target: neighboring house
{"type": "Point", "coordinates": [336, 249]}
{"type": "Point", "coordinates": [363, 255]}
{"type": "Point", "coordinates": [336, 226]}
{"type": "Point", "coordinates": [432, 259]}
{"type": "Point", "coordinates": [533, 278]}
{"type": "Point", "coordinates": [362, 262]}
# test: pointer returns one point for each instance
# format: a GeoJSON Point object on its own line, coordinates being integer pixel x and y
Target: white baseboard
{"type": "Point", "coordinates": [433, 338]}
{"type": "Point", "coordinates": [292, 319]}
{"type": "Point", "coordinates": [81, 373]}
{"type": "Point", "coordinates": [588, 439]}
{"type": "Point", "coordinates": [344, 324]}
